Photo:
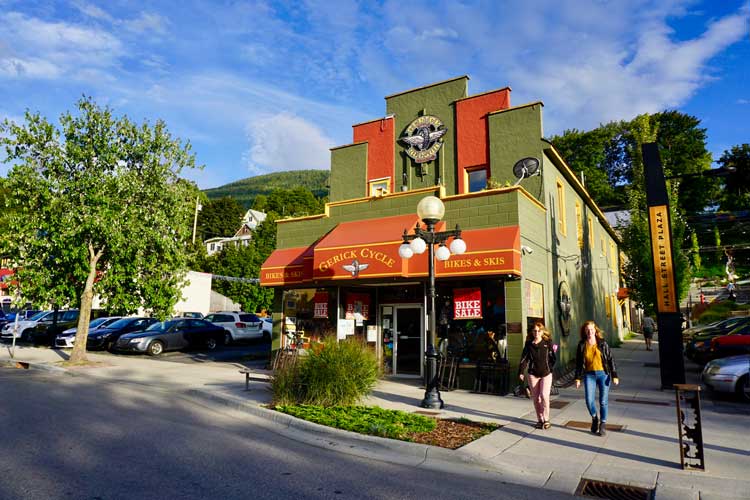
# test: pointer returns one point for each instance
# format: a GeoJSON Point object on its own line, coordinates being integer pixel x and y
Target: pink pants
{"type": "Point", "coordinates": [540, 389]}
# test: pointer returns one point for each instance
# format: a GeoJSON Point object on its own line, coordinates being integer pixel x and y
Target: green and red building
{"type": "Point", "coordinates": [538, 247]}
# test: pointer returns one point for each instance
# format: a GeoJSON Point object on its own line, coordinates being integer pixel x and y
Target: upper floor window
{"type": "Point", "coordinates": [579, 224]}
{"type": "Point", "coordinates": [476, 179]}
{"type": "Point", "coordinates": [380, 187]}
{"type": "Point", "coordinates": [561, 208]}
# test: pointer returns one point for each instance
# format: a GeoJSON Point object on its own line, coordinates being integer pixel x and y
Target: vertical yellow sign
{"type": "Point", "coordinates": [662, 252]}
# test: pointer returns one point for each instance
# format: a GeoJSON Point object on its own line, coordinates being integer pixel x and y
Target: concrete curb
{"type": "Point", "coordinates": [30, 365]}
{"type": "Point", "coordinates": [372, 447]}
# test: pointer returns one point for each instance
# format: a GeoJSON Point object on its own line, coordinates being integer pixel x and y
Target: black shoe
{"type": "Point", "coordinates": [594, 425]}
{"type": "Point", "coordinates": [603, 429]}
{"type": "Point", "coordinates": [539, 425]}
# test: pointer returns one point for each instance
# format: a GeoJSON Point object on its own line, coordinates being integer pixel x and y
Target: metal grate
{"type": "Point", "coordinates": [612, 491]}
{"type": "Point", "coordinates": [558, 405]}
{"type": "Point", "coordinates": [577, 424]}
{"type": "Point", "coordinates": [643, 402]}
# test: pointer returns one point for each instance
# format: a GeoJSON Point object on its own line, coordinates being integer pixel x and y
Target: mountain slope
{"type": "Point", "coordinates": [246, 190]}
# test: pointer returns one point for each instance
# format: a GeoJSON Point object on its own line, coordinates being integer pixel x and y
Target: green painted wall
{"type": "Point", "coordinates": [349, 172]}
{"type": "Point", "coordinates": [516, 133]}
{"type": "Point", "coordinates": [436, 100]}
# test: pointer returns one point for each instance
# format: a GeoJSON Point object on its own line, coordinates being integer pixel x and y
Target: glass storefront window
{"type": "Point", "coordinates": [469, 337]}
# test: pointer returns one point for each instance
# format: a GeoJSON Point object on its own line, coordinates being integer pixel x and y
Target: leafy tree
{"type": "Point", "coordinates": [636, 240]}
{"type": "Point", "coordinates": [602, 156]}
{"type": "Point", "coordinates": [99, 208]}
{"type": "Point", "coordinates": [736, 192]}
{"type": "Point", "coordinates": [221, 217]}
{"type": "Point", "coordinates": [240, 262]}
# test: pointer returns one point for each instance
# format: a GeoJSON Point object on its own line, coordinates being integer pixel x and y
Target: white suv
{"type": "Point", "coordinates": [239, 325]}
{"type": "Point", "coordinates": [25, 326]}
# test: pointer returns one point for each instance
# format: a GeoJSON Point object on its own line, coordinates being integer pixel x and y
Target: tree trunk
{"type": "Point", "coordinates": [79, 348]}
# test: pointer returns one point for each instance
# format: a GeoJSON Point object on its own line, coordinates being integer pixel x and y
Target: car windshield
{"type": "Point", "coordinates": [120, 323]}
{"type": "Point", "coordinates": [96, 322]}
{"type": "Point", "coordinates": [160, 326]}
{"type": "Point", "coordinates": [39, 315]}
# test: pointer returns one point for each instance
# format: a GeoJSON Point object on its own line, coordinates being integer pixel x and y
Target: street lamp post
{"type": "Point", "coordinates": [430, 210]}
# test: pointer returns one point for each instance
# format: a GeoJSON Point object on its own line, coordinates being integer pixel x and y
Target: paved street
{"type": "Point", "coordinates": [79, 438]}
{"type": "Point", "coordinates": [645, 454]}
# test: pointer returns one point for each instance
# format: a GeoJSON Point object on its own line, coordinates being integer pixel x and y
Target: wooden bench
{"type": "Point", "coordinates": [248, 372]}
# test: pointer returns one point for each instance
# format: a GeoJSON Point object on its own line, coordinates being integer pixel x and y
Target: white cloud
{"type": "Point", "coordinates": [92, 11]}
{"type": "Point", "coordinates": [50, 50]}
{"type": "Point", "coordinates": [147, 22]}
{"type": "Point", "coordinates": [286, 142]}
{"type": "Point", "coordinates": [743, 101]}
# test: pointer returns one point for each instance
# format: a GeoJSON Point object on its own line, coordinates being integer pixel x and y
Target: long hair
{"type": "Point", "coordinates": [545, 333]}
{"type": "Point", "coordinates": [598, 331]}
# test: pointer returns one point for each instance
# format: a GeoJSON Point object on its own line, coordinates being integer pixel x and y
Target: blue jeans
{"type": "Point", "coordinates": [592, 380]}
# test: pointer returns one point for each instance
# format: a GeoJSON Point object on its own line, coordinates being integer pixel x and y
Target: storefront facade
{"type": "Point", "coordinates": [538, 248]}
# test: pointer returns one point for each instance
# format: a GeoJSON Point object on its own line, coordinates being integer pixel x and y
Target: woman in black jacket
{"type": "Point", "coordinates": [539, 357]}
{"type": "Point", "coordinates": [596, 367]}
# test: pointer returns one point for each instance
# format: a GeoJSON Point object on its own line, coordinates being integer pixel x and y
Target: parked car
{"type": "Point", "coordinates": [267, 328]}
{"type": "Point", "coordinates": [188, 314]}
{"type": "Point", "coordinates": [68, 337]}
{"type": "Point", "coordinates": [45, 331]}
{"type": "Point", "coordinates": [172, 335]}
{"type": "Point", "coordinates": [3, 319]}
{"type": "Point", "coordinates": [689, 333]}
{"type": "Point", "coordinates": [24, 314]}
{"type": "Point", "coordinates": [729, 375]}
{"type": "Point", "coordinates": [106, 338]}
{"type": "Point", "coordinates": [239, 325]}
{"type": "Point", "coordinates": [735, 342]}
{"type": "Point", "coordinates": [24, 326]}
{"type": "Point", "coordinates": [698, 347]}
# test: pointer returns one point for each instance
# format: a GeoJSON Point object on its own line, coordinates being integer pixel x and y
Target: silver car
{"type": "Point", "coordinates": [729, 375]}
{"type": "Point", "coordinates": [68, 337]}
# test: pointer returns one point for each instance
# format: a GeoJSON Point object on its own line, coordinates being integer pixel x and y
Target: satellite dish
{"type": "Point", "coordinates": [525, 167]}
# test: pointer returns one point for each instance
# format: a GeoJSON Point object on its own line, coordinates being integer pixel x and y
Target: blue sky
{"type": "Point", "coordinates": [258, 87]}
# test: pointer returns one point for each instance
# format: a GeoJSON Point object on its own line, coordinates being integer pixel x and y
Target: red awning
{"type": "Point", "coordinates": [490, 251]}
{"type": "Point", "coordinates": [287, 266]}
{"type": "Point", "coordinates": [369, 249]}
{"type": "Point", "coordinates": [363, 249]}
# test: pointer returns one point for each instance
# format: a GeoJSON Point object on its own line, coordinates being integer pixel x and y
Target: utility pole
{"type": "Point", "coordinates": [198, 208]}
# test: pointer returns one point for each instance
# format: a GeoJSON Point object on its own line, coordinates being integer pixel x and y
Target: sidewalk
{"type": "Point", "coordinates": [645, 454]}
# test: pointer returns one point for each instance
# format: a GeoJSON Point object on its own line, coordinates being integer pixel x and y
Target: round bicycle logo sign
{"type": "Point", "coordinates": [424, 137]}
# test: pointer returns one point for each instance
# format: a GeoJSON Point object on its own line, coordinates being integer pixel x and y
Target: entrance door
{"type": "Point", "coordinates": [407, 341]}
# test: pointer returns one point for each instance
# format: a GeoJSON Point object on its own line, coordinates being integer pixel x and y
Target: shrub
{"type": "Point", "coordinates": [332, 374]}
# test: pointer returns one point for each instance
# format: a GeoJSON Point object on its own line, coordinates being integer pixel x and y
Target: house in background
{"type": "Point", "coordinates": [250, 221]}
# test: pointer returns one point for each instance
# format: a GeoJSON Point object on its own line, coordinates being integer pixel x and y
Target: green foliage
{"type": "Point", "coordinates": [393, 424]}
{"type": "Point", "coordinates": [246, 191]}
{"type": "Point", "coordinates": [736, 192]}
{"type": "Point", "coordinates": [719, 310]}
{"type": "Point", "coordinates": [332, 374]}
{"type": "Point", "coordinates": [98, 207]}
{"type": "Point", "coordinates": [240, 262]}
{"type": "Point", "coordinates": [220, 217]}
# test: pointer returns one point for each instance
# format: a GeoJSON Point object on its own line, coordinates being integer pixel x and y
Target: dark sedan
{"type": "Point", "coordinates": [697, 348]}
{"type": "Point", "coordinates": [106, 338]}
{"type": "Point", "coordinates": [173, 335]}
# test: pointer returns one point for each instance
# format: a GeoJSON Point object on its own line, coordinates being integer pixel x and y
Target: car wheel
{"type": "Point", "coordinates": [155, 348]}
{"type": "Point", "coordinates": [266, 336]}
{"type": "Point", "coordinates": [211, 344]}
{"type": "Point", "coordinates": [228, 338]}
{"type": "Point", "coordinates": [26, 336]}
{"type": "Point", "coordinates": [743, 388]}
